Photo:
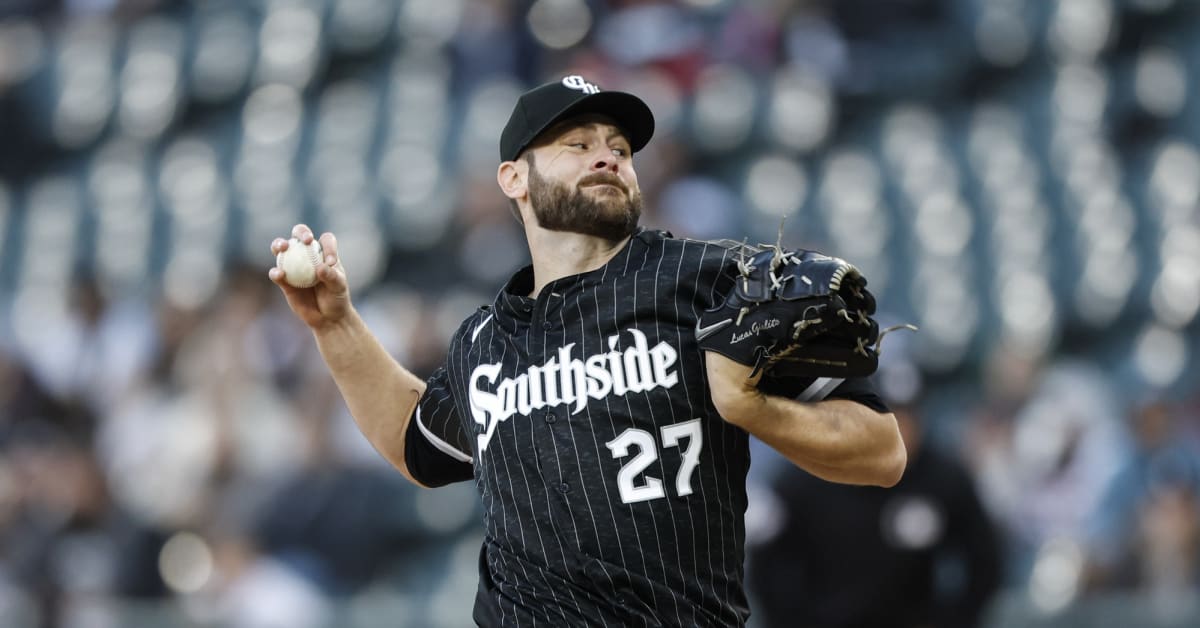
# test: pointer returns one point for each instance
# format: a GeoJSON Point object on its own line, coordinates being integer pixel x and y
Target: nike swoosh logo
{"type": "Point", "coordinates": [479, 328]}
{"type": "Point", "coordinates": [705, 332]}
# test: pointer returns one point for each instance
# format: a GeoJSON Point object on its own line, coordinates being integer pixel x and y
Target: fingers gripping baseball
{"type": "Point", "coordinates": [309, 271]}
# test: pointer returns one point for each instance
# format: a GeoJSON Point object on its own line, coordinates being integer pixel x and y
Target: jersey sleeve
{"type": "Point", "coordinates": [858, 389]}
{"type": "Point", "coordinates": [861, 390]}
{"type": "Point", "coordinates": [437, 450]}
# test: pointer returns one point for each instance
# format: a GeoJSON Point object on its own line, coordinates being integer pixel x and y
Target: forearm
{"type": "Point", "coordinates": [381, 394]}
{"type": "Point", "coordinates": [837, 440]}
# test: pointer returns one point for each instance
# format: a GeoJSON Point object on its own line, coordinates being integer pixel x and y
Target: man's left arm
{"type": "Point", "coordinates": [838, 440]}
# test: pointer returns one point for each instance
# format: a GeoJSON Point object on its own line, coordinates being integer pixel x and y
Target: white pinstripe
{"type": "Point", "coordinates": [442, 445]}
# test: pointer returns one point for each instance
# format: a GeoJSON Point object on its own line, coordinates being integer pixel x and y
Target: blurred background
{"type": "Point", "coordinates": [1020, 178]}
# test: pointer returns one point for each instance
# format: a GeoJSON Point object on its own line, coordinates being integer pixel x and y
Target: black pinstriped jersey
{"type": "Point", "coordinates": [613, 493]}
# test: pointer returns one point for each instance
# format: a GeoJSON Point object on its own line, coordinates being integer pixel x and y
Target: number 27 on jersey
{"type": "Point", "coordinates": [646, 453]}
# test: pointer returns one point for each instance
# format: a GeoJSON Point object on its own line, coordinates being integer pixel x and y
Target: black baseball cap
{"type": "Point", "coordinates": [541, 107]}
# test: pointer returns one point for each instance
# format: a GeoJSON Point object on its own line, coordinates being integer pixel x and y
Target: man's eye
{"type": "Point", "coordinates": [620, 152]}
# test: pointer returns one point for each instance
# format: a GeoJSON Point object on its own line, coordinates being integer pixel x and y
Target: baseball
{"type": "Point", "coordinates": [299, 263]}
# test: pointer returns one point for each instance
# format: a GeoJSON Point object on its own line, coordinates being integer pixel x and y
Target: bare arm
{"type": "Point", "coordinates": [381, 394]}
{"type": "Point", "coordinates": [837, 440]}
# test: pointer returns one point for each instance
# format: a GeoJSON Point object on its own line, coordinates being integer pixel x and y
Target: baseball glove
{"type": "Point", "coordinates": [795, 314]}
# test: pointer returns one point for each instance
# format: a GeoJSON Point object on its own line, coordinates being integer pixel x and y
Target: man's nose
{"type": "Point", "coordinates": [607, 162]}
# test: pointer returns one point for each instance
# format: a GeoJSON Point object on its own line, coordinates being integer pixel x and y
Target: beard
{"type": "Point", "coordinates": [558, 207]}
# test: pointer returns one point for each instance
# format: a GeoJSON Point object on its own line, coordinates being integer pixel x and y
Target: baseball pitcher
{"type": "Point", "coordinates": [602, 404]}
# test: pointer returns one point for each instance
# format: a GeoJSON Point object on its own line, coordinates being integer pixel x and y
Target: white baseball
{"type": "Point", "coordinates": [299, 263]}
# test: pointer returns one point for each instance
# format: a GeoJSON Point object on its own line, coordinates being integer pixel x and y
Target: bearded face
{"type": "Point", "coordinates": [605, 212]}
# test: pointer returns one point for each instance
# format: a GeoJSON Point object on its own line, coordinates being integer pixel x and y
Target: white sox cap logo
{"type": "Point", "coordinates": [575, 81]}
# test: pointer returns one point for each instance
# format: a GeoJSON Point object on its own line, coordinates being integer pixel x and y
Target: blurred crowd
{"type": "Point", "coordinates": [153, 453]}
{"type": "Point", "coordinates": [1045, 499]}
{"type": "Point", "coordinates": [1020, 178]}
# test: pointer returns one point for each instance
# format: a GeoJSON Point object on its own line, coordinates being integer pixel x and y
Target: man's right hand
{"type": "Point", "coordinates": [326, 303]}
{"type": "Point", "coordinates": [381, 395]}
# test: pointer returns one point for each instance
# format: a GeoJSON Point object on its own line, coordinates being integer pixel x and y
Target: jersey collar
{"type": "Point", "coordinates": [513, 300]}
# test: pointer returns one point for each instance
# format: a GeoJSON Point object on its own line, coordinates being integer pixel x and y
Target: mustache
{"type": "Point", "coordinates": [604, 177]}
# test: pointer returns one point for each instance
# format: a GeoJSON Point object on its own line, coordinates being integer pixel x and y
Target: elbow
{"type": "Point", "coordinates": [891, 466]}
{"type": "Point", "coordinates": [398, 458]}
{"type": "Point", "coordinates": [892, 456]}
{"type": "Point", "coordinates": [878, 459]}
{"type": "Point", "coordinates": [402, 466]}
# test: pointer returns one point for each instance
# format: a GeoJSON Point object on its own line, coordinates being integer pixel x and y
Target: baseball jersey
{"type": "Point", "coordinates": [613, 493]}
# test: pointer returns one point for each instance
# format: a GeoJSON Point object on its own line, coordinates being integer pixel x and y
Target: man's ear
{"type": "Point", "coordinates": [513, 177]}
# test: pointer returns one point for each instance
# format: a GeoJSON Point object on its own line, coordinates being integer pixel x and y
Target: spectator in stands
{"type": "Point", "coordinates": [66, 542]}
{"type": "Point", "coordinates": [1043, 471]}
{"type": "Point", "coordinates": [1146, 495]}
{"type": "Point", "coordinates": [1166, 557]}
{"type": "Point", "coordinates": [923, 553]}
